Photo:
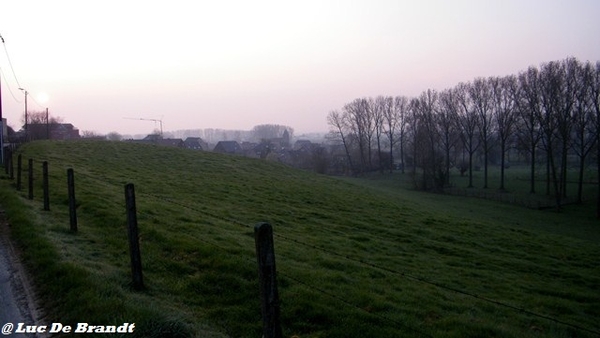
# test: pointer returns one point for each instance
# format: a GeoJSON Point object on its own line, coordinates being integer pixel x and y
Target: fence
{"type": "Point", "coordinates": [265, 257]}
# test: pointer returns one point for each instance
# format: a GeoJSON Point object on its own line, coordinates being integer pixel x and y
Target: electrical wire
{"type": "Point", "coordinates": [9, 62]}
{"type": "Point", "coordinates": [8, 86]}
{"type": "Point", "coordinates": [34, 101]}
{"type": "Point", "coordinates": [15, 75]}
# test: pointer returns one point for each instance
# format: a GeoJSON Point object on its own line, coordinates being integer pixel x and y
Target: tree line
{"type": "Point", "coordinates": [549, 115]}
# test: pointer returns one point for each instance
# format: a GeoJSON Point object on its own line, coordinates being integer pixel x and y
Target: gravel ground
{"type": "Point", "coordinates": [17, 299]}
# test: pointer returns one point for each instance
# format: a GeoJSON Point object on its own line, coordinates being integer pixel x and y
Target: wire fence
{"type": "Point", "coordinates": [213, 219]}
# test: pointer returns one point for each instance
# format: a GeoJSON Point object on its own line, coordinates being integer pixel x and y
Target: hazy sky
{"type": "Point", "coordinates": [236, 64]}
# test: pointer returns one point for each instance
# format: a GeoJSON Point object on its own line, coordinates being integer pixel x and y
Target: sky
{"type": "Point", "coordinates": [106, 65]}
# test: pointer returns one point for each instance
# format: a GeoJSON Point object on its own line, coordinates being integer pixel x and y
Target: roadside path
{"type": "Point", "coordinates": [17, 302]}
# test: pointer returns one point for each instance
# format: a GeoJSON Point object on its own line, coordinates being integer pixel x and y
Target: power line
{"type": "Point", "coordinates": [34, 101]}
{"type": "Point", "coordinates": [9, 62]}
{"type": "Point", "coordinates": [7, 85]}
{"type": "Point", "coordinates": [14, 75]}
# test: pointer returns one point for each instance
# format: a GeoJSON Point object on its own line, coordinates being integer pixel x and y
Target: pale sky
{"type": "Point", "coordinates": [237, 64]}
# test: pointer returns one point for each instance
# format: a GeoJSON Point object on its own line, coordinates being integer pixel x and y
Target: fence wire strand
{"type": "Point", "coordinates": [393, 271]}
{"type": "Point", "coordinates": [405, 275]}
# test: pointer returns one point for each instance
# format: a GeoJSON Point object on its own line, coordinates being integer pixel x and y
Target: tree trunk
{"type": "Point", "coordinates": [402, 153]}
{"type": "Point", "coordinates": [485, 165]}
{"type": "Point", "coordinates": [555, 180]}
{"type": "Point", "coordinates": [598, 177]}
{"type": "Point", "coordinates": [580, 179]}
{"type": "Point", "coordinates": [564, 170]}
{"type": "Point", "coordinates": [532, 190]}
{"type": "Point", "coordinates": [548, 172]}
{"type": "Point", "coordinates": [447, 166]}
{"type": "Point", "coordinates": [379, 154]}
{"type": "Point", "coordinates": [502, 150]}
{"type": "Point", "coordinates": [391, 155]}
{"type": "Point", "coordinates": [470, 168]}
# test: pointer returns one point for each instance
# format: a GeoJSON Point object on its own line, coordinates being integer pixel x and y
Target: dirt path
{"type": "Point", "coordinates": [17, 299]}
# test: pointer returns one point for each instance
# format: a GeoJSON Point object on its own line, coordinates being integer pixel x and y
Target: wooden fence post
{"type": "Point", "coordinates": [19, 162]}
{"type": "Point", "coordinates": [133, 236]}
{"type": "Point", "coordinates": [72, 204]}
{"type": "Point", "coordinates": [269, 296]}
{"type": "Point", "coordinates": [12, 166]}
{"type": "Point", "coordinates": [30, 179]}
{"type": "Point", "coordinates": [46, 186]}
{"type": "Point", "coordinates": [5, 153]}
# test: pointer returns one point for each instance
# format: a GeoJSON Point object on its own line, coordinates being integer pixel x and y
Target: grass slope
{"type": "Point", "coordinates": [355, 258]}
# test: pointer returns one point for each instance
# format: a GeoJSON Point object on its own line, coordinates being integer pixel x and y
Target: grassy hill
{"type": "Point", "coordinates": [355, 258]}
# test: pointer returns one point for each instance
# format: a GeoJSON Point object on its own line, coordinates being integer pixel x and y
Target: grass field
{"type": "Point", "coordinates": [355, 257]}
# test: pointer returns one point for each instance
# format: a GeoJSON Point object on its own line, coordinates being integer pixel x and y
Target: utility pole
{"type": "Point", "coordinates": [1, 127]}
{"type": "Point", "coordinates": [1, 121]}
{"type": "Point", "coordinates": [26, 131]}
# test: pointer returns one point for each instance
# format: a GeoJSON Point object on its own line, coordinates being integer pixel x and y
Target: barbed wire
{"type": "Point", "coordinates": [349, 303]}
{"type": "Point", "coordinates": [349, 258]}
{"type": "Point", "coordinates": [439, 285]}
{"type": "Point", "coordinates": [308, 285]}
{"type": "Point", "coordinates": [402, 274]}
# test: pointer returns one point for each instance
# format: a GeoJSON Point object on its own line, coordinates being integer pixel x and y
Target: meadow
{"type": "Point", "coordinates": [359, 257]}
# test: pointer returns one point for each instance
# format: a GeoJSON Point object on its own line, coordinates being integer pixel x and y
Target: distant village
{"type": "Point", "coordinates": [269, 142]}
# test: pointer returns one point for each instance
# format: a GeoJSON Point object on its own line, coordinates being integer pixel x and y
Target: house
{"type": "Point", "coordinates": [304, 145]}
{"type": "Point", "coordinates": [228, 147]}
{"type": "Point", "coordinates": [152, 138]}
{"type": "Point", "coordinates": [195, 143]}
{"type": "Point", "coordinates": [53, 131]}
{"type": "Point", "coordinates": [171, 142]}
{"type": "Point", "coordinates": [158, 140]}
{"type": "Point", "coordinates": [248, 149]}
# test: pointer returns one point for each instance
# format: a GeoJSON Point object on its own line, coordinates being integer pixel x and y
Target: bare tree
{"type": "Point", "coordinates": [446, 117]}
{"type": "Point", "coordinates": [268, 131]}
{"type": "Point", "coordinates": [504, 114]}
{"type": "Point", "coordinates": [557, 88]}
{"type": "Point", "coordinates": [527, 101]}
{"type": "Point", "coordinates": [40, 125]}
{"type": "Point", "coordinates": [114, 136]}
{"type": "Point", "coordinates": [480, 93]}
{"type": "Point", "coordinates": [339, 128]}
{"type": "Point", "coordinates": [413, 132]}
{"type": "Point", "coordinates": [427, 142]}
{"type": "Point", "coordinates": [468, 120]}
{"type": "Point", "coordinates": [390, 124]}
{"type": "Point", "coordinates": [401, 109]}
{"type": "Point", "coordinates": [378, 110]}
{"type": "Point", "coordinates": [416, 135]}
{"type": "Point", "coordinates": [358, 114]}
{"type": "Point", "coordinates": [92, 134]}
{"type": "Point", "coordinates": [595, 97]}
{"type": "Point", "coordinates": [584, 131]}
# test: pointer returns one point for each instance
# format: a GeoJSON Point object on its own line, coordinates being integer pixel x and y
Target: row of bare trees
{"type": "Point", "coordinates": [550, 114]}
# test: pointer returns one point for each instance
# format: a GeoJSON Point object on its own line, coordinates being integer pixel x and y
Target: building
{"type": "Point", "coordinates": [195, 143]}
{"type": "Point", "coordinates": [228, 147]}
{"type": "Point", "coordinates": [52, 131]}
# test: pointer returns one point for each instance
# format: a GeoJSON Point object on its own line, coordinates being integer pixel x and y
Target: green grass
{"type": "Point", "coordinates": [355, 257]}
